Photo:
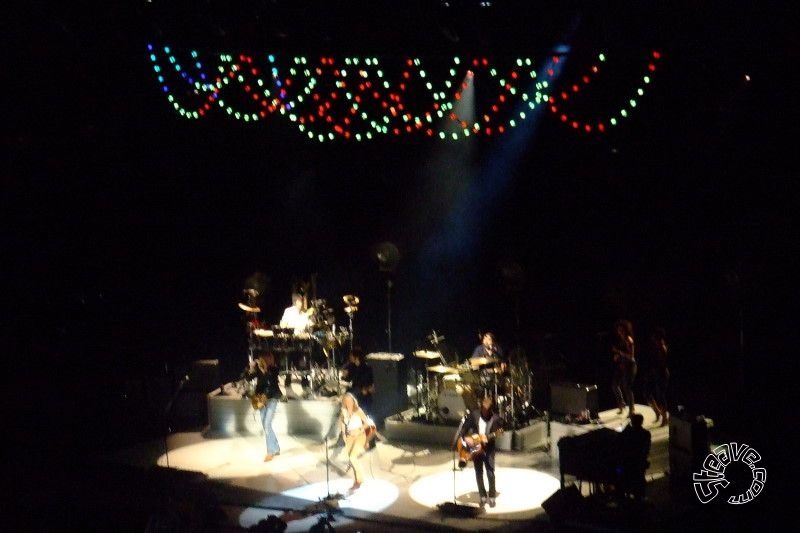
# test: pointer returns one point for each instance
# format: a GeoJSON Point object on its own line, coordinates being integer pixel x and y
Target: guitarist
{"type": "Point", "coordinates": [265, 396]}
{"type": "Point", "coordinates": [478, 433]}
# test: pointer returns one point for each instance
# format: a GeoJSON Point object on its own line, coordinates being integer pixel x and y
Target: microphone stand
{"type": "Point", "coordinates": [331, 500]}
{"type": "Point", "coordinates": [389, 311]}
{"type": "Point", "coordinates": [168, 413]}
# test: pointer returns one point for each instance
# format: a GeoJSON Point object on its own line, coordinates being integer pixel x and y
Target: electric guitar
{"type": "Point", "coordinates": [469, 447]}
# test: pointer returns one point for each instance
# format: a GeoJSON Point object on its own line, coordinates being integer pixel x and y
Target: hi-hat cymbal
{"type": "Point", "coordinates": [427, 354]}
{"type": "Point", "coordinates": [245, 307]}
{"type": "Point", "coordinates": [351, 300]}
{"type": "Point", "coordinates": [442, 369]}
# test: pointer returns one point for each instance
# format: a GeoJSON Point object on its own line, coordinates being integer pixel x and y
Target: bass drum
{"type": "Point", "coordinates": [453, 405]}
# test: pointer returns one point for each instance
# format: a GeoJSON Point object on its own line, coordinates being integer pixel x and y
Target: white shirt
{"type": "Point", "coordinates": [295, 319]}
{"type": "Point", "coordinates": [482, 426]}
{"type": "Point", "coordinates": [352, 422]}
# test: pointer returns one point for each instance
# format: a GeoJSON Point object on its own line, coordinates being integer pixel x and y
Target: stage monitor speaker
{"type": "Point", "coordinates": [573, 398]}
{"type": "Point", "coordinates": [564, 502]}
{"type": "Point", "coordinates": [204, 376]}
{"type": "Point", "coordinates": [689, 444]}
{"type": "Point", "coordinates": [390, 387]}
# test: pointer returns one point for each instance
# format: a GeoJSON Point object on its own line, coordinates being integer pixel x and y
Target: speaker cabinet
{"type": "Point", "coordinates": [204, 376]}
{"type": "Point", "coordinates": [390, 386]}
{"type": "Point", "coordinates": [573, 398]}
{"type": "Point", "coordinates": [564, 502]}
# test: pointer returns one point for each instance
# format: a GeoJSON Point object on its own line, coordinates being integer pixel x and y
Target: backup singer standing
{"type": "Point", "coordinates": [354, 425]}
{"type": "Point", "coordinates": [623, 355]}
{"type": "Point", "coordinates": [265, 397]}
{"type": "Point", "coordinates": [480, 431]}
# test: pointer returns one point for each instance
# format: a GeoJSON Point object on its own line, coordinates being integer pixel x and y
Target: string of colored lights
{"type": "Point", "coordinates": [558, 103]}
{"type": "Point", "coordinates": [355, 97]}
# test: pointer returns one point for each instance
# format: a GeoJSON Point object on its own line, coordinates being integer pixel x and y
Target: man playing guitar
{"type": "Point", "coordinates": [264, 370]}
{"type": "Point", "coordinates": [477, 443]}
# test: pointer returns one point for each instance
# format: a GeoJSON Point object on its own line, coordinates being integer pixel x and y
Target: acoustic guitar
{"type": "Point", "coordinates": [470, 446]}
{"type": "Point", "coordinates": [258, 400]}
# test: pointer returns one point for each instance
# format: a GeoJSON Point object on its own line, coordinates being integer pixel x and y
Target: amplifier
{"type": "Point", "coordinates": [573, 398]}
{"type": "Point", "coordinates": [390, 384]}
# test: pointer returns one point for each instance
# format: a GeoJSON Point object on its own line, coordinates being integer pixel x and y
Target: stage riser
{"type": "Point", "coordinates": [527, 438]}
{"type": "Point", "coordinates": [414, 432]}
{"type": "Point", "coordinates": [231, 415]}
{"type": "Point", "coordinates": [530, 437]}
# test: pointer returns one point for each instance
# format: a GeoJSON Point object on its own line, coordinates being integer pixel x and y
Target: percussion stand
{"type": "Point", "coordinates": [419, 399]}
{"type": "Point", "coordinates": [432, 395]}
{"type": "Point", "coordinates": [513, 393]}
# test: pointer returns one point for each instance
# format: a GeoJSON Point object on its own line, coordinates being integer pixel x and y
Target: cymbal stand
{"type": "Point", "coordinates": [513, 393]}
{"type": "Point", "coordinates": [428, 397]}
{"type": "Point", "coordinates": [350, 314]}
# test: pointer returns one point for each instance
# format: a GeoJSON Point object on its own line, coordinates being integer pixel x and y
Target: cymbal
{"type": "Point", "coordinates": [427, 354]}
{"type": "Point", "coordinates": [351, 300]}
{"type": "Point", "coordinates": [481, 361]}
{"type": "Point", "coordinates": [263, 332]}
{"type": "Point", "coordinates": [249, 309]}
{"type": "Point", "coordinates": [441, 369]}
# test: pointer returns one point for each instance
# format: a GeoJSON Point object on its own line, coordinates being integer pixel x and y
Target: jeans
{"type": "Point", "coordinates": [267, 414]}
{"type": "Point", "coordinates": [622, 384]}
{"type": "Point", "coordinates": [487, 461]}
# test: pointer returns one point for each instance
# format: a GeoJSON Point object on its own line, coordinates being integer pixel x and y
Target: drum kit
{"type": "Point", "coordinates": [299, 351]}
{"type": "Point", "coordinates": [447, 391]}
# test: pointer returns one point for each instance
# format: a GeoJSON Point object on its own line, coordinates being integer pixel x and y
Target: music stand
{"type": "Point", "coordinates": [454, 508]}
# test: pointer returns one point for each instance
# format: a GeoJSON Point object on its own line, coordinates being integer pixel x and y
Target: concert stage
{"type": "Point", "coordinates": [412, 481]}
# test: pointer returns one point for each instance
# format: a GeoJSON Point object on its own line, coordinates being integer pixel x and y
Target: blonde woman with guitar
{"type": "Point", "coordinates": [357, 428]}
{"type": "Point", "coordinates": [477, 444]}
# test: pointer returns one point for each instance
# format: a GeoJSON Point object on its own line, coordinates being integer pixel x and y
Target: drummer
{"type": "Point", "coordinates": [296, 318]}
{"type": "Point", "coordinates": [488, 348]}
